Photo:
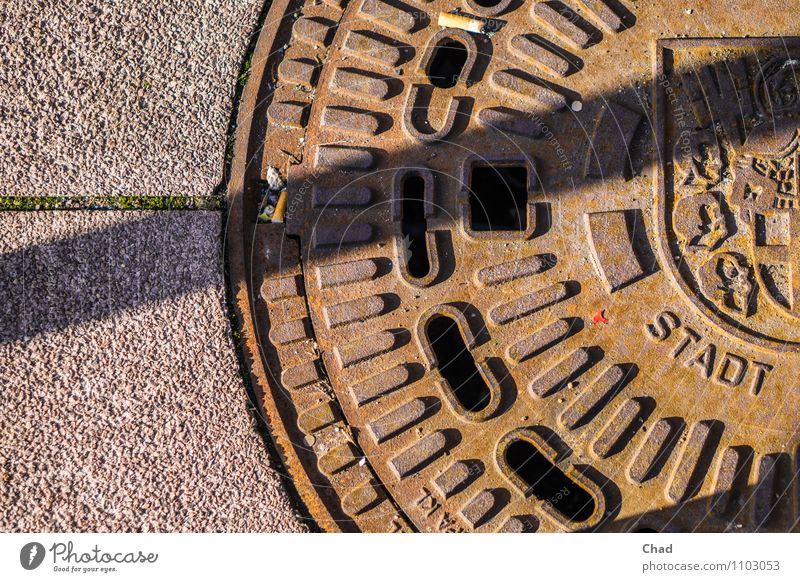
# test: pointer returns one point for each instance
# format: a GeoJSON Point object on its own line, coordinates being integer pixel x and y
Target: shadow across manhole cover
{"type": "Point", "coordinates": [524, 266]}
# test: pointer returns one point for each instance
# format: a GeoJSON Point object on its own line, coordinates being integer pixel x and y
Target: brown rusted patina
{"type": "Point", "coordinates": [543, 277]}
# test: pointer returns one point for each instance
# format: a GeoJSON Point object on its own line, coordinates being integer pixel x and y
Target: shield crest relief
{"type": "Point", "coordinates": [727, 204]}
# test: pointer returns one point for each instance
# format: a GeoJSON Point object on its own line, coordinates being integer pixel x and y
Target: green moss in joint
{"type": "Point", "coordinates": [31, 203]}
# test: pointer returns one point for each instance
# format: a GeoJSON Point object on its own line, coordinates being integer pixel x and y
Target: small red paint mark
{"type": "Point", "coordinates": [598, 317]}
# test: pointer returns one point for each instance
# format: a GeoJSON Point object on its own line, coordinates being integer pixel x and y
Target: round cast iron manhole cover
{"type": "Point", "coordinates": [525, 266]}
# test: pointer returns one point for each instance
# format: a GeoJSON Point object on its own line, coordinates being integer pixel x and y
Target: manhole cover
{"type": "Point", "coordinates": [533, 270]}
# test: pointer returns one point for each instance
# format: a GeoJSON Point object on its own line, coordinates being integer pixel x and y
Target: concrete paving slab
{"type": "Point", "coordinates": [117, 97]}
{"type": "Point", "coordinates": [121, 408]}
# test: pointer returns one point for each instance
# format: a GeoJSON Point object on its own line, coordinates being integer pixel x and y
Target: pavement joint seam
{"type": "Point", "coordinates": [34, 203]}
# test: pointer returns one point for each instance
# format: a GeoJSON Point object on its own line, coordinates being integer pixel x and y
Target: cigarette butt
{"type": "Point", "coordinates": [449, 20]}
{"type": "Point", "coordinates": [280, 208]}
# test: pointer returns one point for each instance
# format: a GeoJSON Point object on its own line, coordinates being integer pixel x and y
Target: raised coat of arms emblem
{"type": "Point", "coordinates": [729, 206]}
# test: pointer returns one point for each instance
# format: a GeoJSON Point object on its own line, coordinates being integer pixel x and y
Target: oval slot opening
{"type": "Point", "coordinates": [547, 482]}
{"type": "Point", "coordinates": [487, 3]}
{"type": "Point", "coordinates": [457, 365]}
{"type": "Point", "coordinates": [449, 58]}
{"type": "Point", "coordinates": [413, 225]}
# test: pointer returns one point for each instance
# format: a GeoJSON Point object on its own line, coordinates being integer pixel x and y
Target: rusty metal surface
{"type": "Point", "coordinates": [538, 278]}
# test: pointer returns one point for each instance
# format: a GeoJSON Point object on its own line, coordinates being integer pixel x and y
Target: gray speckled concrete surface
{"type": "Point", "coordinates": [118, 97]}
{"type": "Point", "coordinates": [125, 412]}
